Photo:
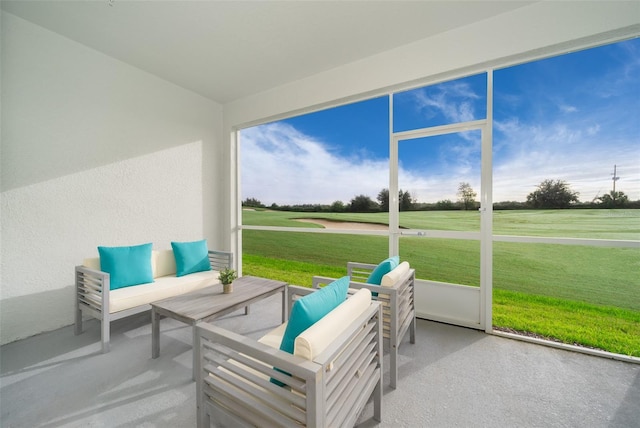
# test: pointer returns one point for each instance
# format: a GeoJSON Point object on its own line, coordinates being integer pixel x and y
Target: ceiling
{"type": "Point", "coordinates": [226, 50]}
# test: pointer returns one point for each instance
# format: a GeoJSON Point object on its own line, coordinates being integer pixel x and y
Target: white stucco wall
{"type": "Point", "coordinates": [94, 152]}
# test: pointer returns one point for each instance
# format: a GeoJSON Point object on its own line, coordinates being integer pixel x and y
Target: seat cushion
{"type": "Point", "coordinates": [309, 309]}
{"type": "Point", "coordinates": [315, 339]}
{"type": "Point", "coordinates": [320, 335]}
{"type": "Point", "coordinates": [274, 337]}
{"type": "Point", "coordinates": [163, 287]}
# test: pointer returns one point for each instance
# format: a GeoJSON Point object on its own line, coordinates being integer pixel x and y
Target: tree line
{"type": "Point", "coordinates": [549, 194]}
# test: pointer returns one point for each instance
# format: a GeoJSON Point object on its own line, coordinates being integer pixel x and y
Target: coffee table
{"type": "Point", "coordinates": [209, 303]}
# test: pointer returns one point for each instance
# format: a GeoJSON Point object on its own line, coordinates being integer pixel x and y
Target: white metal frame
{"type": "Point", "coordinates": [486, 236]}
{"type": "Point", "coordinates": [452, 303]}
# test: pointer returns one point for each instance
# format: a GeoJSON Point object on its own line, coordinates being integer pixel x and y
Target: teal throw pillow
{"type": "Point", "coordinates": [382, 269]}
{"type": "Point", "coordinates": [126, 265]}
{"type": "Point", "coordinates": [191, 257]}
{"type": "Point", "coordinates": [312, 307]}
{"type": "Point", "coordinates": [309, 309]}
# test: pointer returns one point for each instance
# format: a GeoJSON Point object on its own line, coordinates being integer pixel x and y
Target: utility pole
{"type": "Point", "coordinates": [615, 178]}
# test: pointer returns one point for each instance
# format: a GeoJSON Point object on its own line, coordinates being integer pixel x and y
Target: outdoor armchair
{"type": "Point", "coordinates": [336, 368]}
{"type": "Point", "coordinates": [396, 294]}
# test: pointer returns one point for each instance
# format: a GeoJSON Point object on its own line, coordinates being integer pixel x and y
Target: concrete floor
{"type": "Point", "coordinates": [452, 377]}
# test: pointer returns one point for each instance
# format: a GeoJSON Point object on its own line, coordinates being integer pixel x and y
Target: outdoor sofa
{"type": "Point", "coordinates": [336, 367]}
{"type": "Point", "coordinates": [95, 297]}
{"type": "Point", "coordinates": [395, 290]}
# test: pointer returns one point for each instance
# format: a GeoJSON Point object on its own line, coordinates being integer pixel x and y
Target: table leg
{"type": "Point", "coordinates": [155, 333]}
{"type": "Point", "coordinates": [246, 310]}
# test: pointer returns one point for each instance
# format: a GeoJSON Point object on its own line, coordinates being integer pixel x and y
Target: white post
{"type": "Point", "coordinates": [394, 215]}
{"type": "Point", "coordinates": [486, 215]}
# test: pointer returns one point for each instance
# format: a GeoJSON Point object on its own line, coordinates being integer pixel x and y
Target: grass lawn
{"type": "Point", "coordinates": [574, 223]}
{"type": "Point", "coordinates": [602, 327]}
{"type": "Point", "coordinates": [575, 294]}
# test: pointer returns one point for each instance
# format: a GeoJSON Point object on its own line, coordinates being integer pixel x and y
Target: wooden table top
{"type": "Point", "coordinates": [211, 301]}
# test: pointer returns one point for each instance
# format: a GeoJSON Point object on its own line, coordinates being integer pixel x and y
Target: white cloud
{"type": "Point", "coordinates": [529, 154]}
{"type": "Point", "coordinates": [435, 188]}
{"type": "Point", "coordinates": [567, 108]}
{"type": "Point", "coordinates": [454, 100]}
{"type": "Point", "coordinates": [283, 166]}
{"type": "Point", "coordinates": [593, 130]}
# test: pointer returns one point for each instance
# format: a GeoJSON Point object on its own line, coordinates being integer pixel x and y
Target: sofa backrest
{"type": "Point", "coordinates": [163, 263]}
{"type": "Point", "coordinates": [92, 263]}
{"type": "Point", "coordinates": [316, 338]}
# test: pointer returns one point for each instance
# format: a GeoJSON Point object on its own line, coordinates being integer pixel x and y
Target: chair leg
{"type": "Point", "coordinates": [78, 327]}
{"type": "Point", "coordinates": [105, 335]}
{"type": "Point", "coordinates": [412, 331]}
{"type": "Point", "coordinates": [203, 419]}
{"type": "Point", "coordinates": [377, 400]}
{"type": "Point", "coordinates": [393, 370]}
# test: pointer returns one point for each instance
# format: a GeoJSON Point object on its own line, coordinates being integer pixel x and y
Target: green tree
{"type": "Point", "coordinates": [363, 204]}
{"type": "Point", "coordinates": [614, 199]}
{"type": "Point", "coordinates": [383, 200]}
{"type": "Point", "coordinates": [252, 202]}
{"type": "Point", "coordinates": [466, 196]}
{"type": "Point", "coordinates": [405, 200]}
{"type": "Point", "coordinates": [552, 194]}
{"type": "Point", "coordinates": [444, 204]}
{"type": "Point", "coordinates": [338, 207]}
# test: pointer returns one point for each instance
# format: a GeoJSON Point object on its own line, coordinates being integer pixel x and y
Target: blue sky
{"type": "Point", "coordinates": [570, 117]}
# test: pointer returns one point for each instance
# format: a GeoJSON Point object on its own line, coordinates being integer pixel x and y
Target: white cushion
{"type": "Point", "coordinates": [394, 276]}
{"type": "Point", "coordinates": [93, 263]}
{"type": "Point", "coordinates": [165, 263]}
{"type": "Point", "coordinates": [316, 338]}
{"type": "Point", "coordinates": [163, 287]}
{"type": "Point", "coordinates": [274, 337]}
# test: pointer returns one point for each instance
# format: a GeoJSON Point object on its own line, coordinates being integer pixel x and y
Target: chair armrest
{"type": "Point", "coordinates": [92, 289]}
{"type": "Point", "coordinates": [234, 372]}
{"type": "Point", "coordinates": [91, 272]}
{"type": "Point", "coordinates": [260, 352]}
{"type": "Point", "coordinates": [220, 259]}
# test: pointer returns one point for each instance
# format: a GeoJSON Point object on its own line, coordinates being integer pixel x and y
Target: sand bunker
{"type": "Point", "coordinates": [329, 224]}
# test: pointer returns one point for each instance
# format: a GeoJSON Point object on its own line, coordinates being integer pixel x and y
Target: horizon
{"type": "Point", "coordinates": [571, 117]}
